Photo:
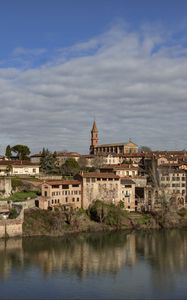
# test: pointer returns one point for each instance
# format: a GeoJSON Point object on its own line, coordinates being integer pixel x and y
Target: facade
{"type": "Point", "coordinates": [174, 184]}
{"type": "Point", "coordinates": [61, 193]}
{"type": "Point", "coordinates": [128, 194]}
{"type": "Point", "coordinates": [123, 170]}
{"type": "Point", "coordinates": [117, 148]}
{"type": "Point", "coordinates": [99, 186]}
{"type": "Point", "coordinates": [18, 167]}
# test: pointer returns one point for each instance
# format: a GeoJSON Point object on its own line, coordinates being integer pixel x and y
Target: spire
{"type": "Point", "coordinates": [94, 127]}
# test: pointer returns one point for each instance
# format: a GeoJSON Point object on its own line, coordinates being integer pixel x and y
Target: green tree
{"type": "Point", "coordinates": [8, 152]}
{"type": "Point", "coordinates": [22, 151]}
{"type": "Point", "coordinates": [48, 163]}
{"type": "Point", "coordinates": [70, 167]}
{"type": "Point", "coordinates": [107, 213]}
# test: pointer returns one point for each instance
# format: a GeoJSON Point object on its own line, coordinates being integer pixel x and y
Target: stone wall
{"type": "Point", "coordinates": [5, 187]}
{"type": "Point", "coordinates": [11, 228]}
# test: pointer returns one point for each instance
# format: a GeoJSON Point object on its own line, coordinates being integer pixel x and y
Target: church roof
{"type": "Point", "coordinates": [116, 144]}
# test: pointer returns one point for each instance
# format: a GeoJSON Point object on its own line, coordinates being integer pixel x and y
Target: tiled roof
{"type": "Point", "coordinates": [17, 163]}
{"type": "Point", "coordinates": [60, 182]}
{"type": "Point", "coordinates": [99, 175]}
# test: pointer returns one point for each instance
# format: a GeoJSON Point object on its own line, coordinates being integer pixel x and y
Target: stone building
{"type": "Point", "coordinates": [128, 194]}
{"type": "Point", "coordinates": [18, 167]}
{"type": "Point", "coordinates": [117, 148]}
{"type": "Point", "coordinates": [99, 186]}
{"type": "Point", "coordinates": [66, 193]}
{"type": "Point", "coordinates": [174, 182]}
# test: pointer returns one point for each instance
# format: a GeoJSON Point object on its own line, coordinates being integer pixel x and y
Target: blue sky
{"type": "Point", "coordinates": [62, 63]}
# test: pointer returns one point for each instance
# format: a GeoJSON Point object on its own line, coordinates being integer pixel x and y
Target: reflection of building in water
{"type": "Point", "coordinates": [10, 253]}
{"type": "Point", "coordinates": [164, 252]}
{"type": "Point", "coordinates": [86, 258]}
{"type": "Point", "coordinates": [167, 251]}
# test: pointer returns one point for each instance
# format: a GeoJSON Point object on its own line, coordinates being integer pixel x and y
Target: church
{"type": "Point", "coordinates": [117, 148]}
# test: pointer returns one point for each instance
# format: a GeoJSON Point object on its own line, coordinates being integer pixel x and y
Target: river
{"type": "Point", "coordinates": [117, 265]}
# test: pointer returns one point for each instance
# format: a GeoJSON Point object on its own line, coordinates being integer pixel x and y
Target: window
{"type": "Point", "coordinates": [73, 199]}
{"type": "Point", "coordinates": [77, 199]}
{"type": "Point", "coordinates": [65, 186]}
{"type": "Point", "coordinates": [66, 199]}
{"type": "Point", "coordinates": [45, 193]}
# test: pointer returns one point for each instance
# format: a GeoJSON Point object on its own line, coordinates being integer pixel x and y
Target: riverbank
{"type": "Point", "coordinates": [56, 223]}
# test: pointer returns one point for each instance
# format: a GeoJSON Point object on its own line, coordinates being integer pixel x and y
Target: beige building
{"type": "Point", "coordinates": [18, 167]}
{"type": "Point", "coordinates": [61, 192]}
{"type": "Point", "coordinates": [117, 148]}
{"type": "Point", "coordinates": [174, 183]}
{"type": "Point", "coordinates": [100, 186]}
{"type": "Point", "coordinates": [123, 170]}
{"type": "Point", "coordinates": [128, 194]}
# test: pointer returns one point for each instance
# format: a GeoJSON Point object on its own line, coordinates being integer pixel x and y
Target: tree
{"type": "Point", "coordinates": [98, 161]}
{"type": "Point", "coordinates": [70, 167]}
{"type": "Point", "coordinates": [22, 151]}
{"type": "Point", "coordinates": [48, 163]}
{"type": "Point", "coordinates": [8, 152]}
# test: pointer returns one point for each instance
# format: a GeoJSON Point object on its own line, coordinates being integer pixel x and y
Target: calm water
{"type": "Point", "coordinates": [96, 266]}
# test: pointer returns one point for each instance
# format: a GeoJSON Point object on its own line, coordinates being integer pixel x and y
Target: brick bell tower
{"type": "Point", "coordinates": [94, 137]}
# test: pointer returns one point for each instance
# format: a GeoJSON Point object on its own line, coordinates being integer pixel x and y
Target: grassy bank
{"type": "Point", "coordinates": [39, 222]}
{"type": "Point", "coordinates": [21, 196]}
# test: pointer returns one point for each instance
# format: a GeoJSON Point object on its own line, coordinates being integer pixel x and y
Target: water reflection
{"type": "Point", "coordinates": [165, 252]}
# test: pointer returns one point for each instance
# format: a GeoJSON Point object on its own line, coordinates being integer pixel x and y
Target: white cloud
{"type": "Point", "coordinates": [134, 83]}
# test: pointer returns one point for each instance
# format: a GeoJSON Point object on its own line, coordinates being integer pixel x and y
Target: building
{"type": "Point", "coordinates": [65, 193]}
{"type": "Point", "coordinates": [174, 182]}
{"type": "Point", "coordinates": [18, 167]}
{"type": "Point", "coordinates": [128, 194]}
{"type": "Point", "coordinates": [60, 156]}
{"type": "Point", "coordinates": [99, 186]}
{"type": "Point", "coordinates": [123, 170]}
{"type": "Point", "coordinates": [117, 148]}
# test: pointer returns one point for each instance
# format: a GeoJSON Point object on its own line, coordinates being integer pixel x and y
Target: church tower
{"type": "Point", "coordinates": [94, 137]}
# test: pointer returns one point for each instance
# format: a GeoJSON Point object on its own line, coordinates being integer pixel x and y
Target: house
{"type": "Point", "coordinates": [128, 194]}
{"type": "Point", "coordinates": [99, 186]}
{"type": "Point", "coordinates": [65, 193]}
{"type": "Point", "coordinates": [18, 167]}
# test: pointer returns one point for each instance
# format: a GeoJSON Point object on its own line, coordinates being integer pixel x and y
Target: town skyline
{"type": "Point", "coordinates": [121, 62]}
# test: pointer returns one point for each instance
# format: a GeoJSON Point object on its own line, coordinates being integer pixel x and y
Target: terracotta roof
{"type": "Point", "coordinates": [99, 175]}
{"type": "Point", "coordinates": [17, 163]}
{"type": "Point", "coordinates": [119, 167]}
{"type": "Point", "coordinates": [60, 182]}
{"type": "Point", "coordinates": [115, 144]}
{"type": "Point", "coordinates": [68, 154]}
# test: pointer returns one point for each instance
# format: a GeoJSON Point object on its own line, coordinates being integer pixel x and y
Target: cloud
{"type": "Point", "coordinates": [133, 83]}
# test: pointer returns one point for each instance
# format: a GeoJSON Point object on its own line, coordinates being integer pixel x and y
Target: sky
{"type": "Point", "coordinates": [64, 63]}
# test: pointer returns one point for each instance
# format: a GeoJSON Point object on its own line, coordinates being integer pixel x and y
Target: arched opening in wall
{"type": "Point", "coordinates": [37, 203]}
